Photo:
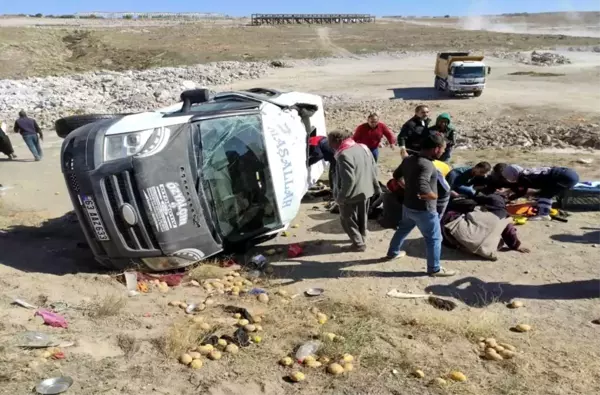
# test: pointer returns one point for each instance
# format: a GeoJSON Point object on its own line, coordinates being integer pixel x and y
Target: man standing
{"type": "Point", "coordinates": [412, 131]}
{"type": "Point", "coordinates": [29, 129]}
{"type": "Point", "coordinates": [356, 182]}
{"type": "Point", "coordinates": [371, 133]}
{"type": "Point", "coordinates": [443, 125]}
{"type": "Point", "coordinates": [420, 198]}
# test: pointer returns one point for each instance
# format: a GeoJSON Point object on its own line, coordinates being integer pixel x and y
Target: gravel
{"type": "Point", "coordinates": [50, 98]}
{"type": "Point", "coordinates": [534, 58]}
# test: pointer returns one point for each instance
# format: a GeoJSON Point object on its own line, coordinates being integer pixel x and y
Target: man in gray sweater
{"type": "Point", "coordinates": [420, 179]}
{"type": "Point", "coordinates": [356, 181]}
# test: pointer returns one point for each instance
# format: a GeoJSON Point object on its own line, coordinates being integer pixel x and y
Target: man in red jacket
{"type": "Point", "coordinates": [371, 132]}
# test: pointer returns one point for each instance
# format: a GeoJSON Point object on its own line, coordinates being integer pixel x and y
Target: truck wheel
{"type": "Point", "coordinates": [66, 125]}
{"type": "Point", "coordinates": [477, 94]}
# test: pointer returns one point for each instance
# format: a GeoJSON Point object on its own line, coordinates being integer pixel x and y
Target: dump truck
{"type": "Point", "coordinates": [173, 186]}
{"type": "Point", "coordinates": [460, 73]}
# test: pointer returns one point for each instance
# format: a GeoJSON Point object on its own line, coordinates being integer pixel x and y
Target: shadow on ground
{"type": "Point", "coordinates": [56, 246]}
{"type": "Point", "coordinates": [421, 93]}
{"type": "Point", "coordinates": [477, 293]}
{"type": "Point", "coordinates": [592, 237]}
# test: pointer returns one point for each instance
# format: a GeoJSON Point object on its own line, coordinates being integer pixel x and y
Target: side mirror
{"type": "Point", "coordinates": [489, 70]}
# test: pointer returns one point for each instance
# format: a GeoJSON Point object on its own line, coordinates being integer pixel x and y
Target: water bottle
{"type": "Point", "coordinates": [308, 348]}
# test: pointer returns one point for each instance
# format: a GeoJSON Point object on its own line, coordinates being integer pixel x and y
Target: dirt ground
{"type": "Point", "coordinates": [128, 345]}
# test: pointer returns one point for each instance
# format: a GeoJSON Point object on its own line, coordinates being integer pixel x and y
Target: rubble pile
{"type": "Point", "coordinates": [547, 59]}
{"type": "Point", "coordinates": [50, 98]}
{"type": "Point", "coordinates": [534, 59]}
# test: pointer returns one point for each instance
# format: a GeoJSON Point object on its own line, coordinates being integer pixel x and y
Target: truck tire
{"type": "Point", "coordinates": [66, 125]}
{"type": "Point", "coordinates": [478, 93]}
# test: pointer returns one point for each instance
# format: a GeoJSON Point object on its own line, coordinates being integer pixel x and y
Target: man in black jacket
{"type": "Point", "coordinates": [414, 129]}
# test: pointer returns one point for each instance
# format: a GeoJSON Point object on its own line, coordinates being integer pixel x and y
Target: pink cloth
{"type": "Point", "coordinates": [52, 319]}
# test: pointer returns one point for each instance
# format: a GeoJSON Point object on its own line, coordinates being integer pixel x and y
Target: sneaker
{"type": "Point", "coordinates": [541, 218]}
{"type": "Point", "coordinates": [443, 273]}
{"type": "Point", "coordinates": [401, 254]}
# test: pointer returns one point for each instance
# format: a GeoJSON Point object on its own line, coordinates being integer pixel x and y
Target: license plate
{"type": "Point", "coordinates": [95, 220]}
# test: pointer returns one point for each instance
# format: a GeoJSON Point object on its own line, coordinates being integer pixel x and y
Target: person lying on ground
{"type": "Point", "coordinates": [419, 177]}
{"type": "Point", "coordinates": [462, 179]}
{"type": "Point", "coordinates": [356, 182]}
{"type": "Point", "coordinates": [414, 129]}
{"type": "Point", "coordinates": [481, 226]}
{"type": "Point", "coordinates": [444, 126]}
{"type": "Point", "coordinates": [371, 132]}
{"type": "Point", "coordinates": [544, 183]}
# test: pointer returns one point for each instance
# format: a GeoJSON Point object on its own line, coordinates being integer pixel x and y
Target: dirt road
{"type": "Point", "coordinates": [120, 353]}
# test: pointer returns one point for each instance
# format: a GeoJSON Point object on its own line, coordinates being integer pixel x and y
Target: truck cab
{"type": "Point", "coordinates": [171, 187]}
{"type": "Point", "coordinates": [460, 73]}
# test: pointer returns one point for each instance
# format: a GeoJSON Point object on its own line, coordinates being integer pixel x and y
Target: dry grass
{"type": "Point", "coordinates": [107, 306]}
{"type": "Point", "coordinates": [129, 344]}
{"type": "Point", "coordinates": [29, 51]}
{"type": "Point", "coordinates": [183, 336]}
{"type": "Point", "coordinates": [208, 270]}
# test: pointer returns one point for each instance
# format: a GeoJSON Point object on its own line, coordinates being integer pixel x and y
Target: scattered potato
{"type": "Point", "coordinates": [297, 377]}
{"type": "Point", "coordinates": [324, 360]}
{"type": "Point", "coordinates": [205, 349]}
{"type": "Point", "coordinates": [236, 293]}
{"type": "Point", "coordinates": [237, 316]}
{"type": "Point", "coordinates": [263, 298]}
{"type": "Point", "coordinates": [257, 320]}
{"type": "Point", "coordinates": [232, 349]}
{"type": "Point", "coordinates": [481, 339]}
{"type": "Point", "coordinates": [458, 376]}
{"type": "Point", "coordinates": [322, 318]}
{"type": "Point", "coordinates": [418, 373]}
{"type": "Point", "coordinates": [235, 274]}
{"type": "Point", "coordinates": [314, 310]}
{"type": "Point", "coordinates": [481, 345]}
{"type": "Point", "coordinates": [195, 355]}
{"type": "Point", "coordinates": [492, 355]}
{"type": "Point", "coordinates": [508, 346]}
{"type": "Point", "coordinates": [499, 348]}
{"type": "Point", "coordinates": [259, 328]}
{"type": "Point", "coordinates": [348, 367]}
{"type": "Point", "coordinates": [515, 304]}
{"type": "Point", "coordinates": [335, 369]}
{"type": "Point", "coordinates": [174, 303]}
{"type": "Point", "coordinates": [183, 306]}
{"type": "Point", "coordinates": [219, 286]}
{"type": "Point", "coordinates": [491, 342]}
{"type": "Point", "coordinates": [215, 355]}
{"type": "Point", "coordinates": [523, 328]}
{"type": "Point", "coordinates": [507, 354]}
{"type": "Point", "coordinates": [204, 326]}
{"type": "Point", "coordinates": [243, 322]}
{"type": "Point", "coordinates": [250, 328]}
{"type": "Point", "coordinates": [256, 339]}
{"type": "Point", "coordinates": [309, 359]}
{"type": "Point", "coordinates": [235, 289]}
{"type": "Point", "coordinates": [329, 336]}
{"type": "Point", "coordinates": [286, 361]}
{"type": "Point", "coordinates": [238, 284]}
{"type": "Point", "coordinates": [282, 292]}
{"type": "Point", "coordinates": [347, 358]}
{"type": "Point", "coordinates": [45, 354]}
{"type": "Point", "coordinates": [440, 382]}
{"type": "Point", "coordinates": [222, 343]}
{"type": "Point", "coordinates": [196, 364]}
{"type": "Point", "coordinates": [314, 364]}
{"type": "Point", "coordinates": [197, 320]}
{"type": "Point", "coordinates": [247, 282]}
{"type": "Point", "coordinates": [185, 359]}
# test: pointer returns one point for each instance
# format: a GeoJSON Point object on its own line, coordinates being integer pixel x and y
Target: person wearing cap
{"type": "Point", "coordinates": [548, 181]}
{"type": "Point", "coordinates": [31, 133]}
{"type": "Point", "coordinates": [371, 132]}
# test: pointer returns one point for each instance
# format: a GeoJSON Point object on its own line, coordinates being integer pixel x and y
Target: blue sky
{"type": "Point", "coordinates": [246, 7]}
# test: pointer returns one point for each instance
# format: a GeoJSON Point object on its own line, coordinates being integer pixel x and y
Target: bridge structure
{"type": "Point", "coordinates": [309, 19]}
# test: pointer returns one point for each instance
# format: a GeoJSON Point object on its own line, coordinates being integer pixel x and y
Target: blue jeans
{"type": "Point", "coordinates": [33, 143]}
{"type": "Point", "coordinates": [375, 152]}
{"type": "Point", "coordinates": [429, 226]}
{"type": "Point", "coordinates": [466, 191]}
